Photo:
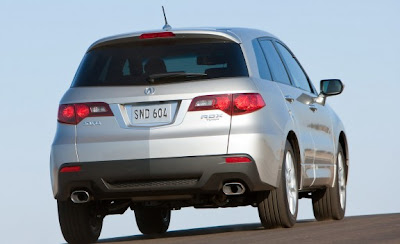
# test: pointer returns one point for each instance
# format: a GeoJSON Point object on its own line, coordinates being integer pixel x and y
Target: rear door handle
{"type": "Point", "coordinates": [312, 107]}
{"type": "Point", "coordinates": [289, 98]}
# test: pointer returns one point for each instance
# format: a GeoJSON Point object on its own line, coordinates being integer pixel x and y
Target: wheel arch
{"type": "Point", "coordinates": [344, 144]}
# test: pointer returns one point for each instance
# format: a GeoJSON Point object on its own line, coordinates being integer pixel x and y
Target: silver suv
{"type": "Point", "coordinates": [157, 121]}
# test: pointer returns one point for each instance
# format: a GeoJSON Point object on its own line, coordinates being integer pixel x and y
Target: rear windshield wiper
{"type": "Point", "coordinates": [172, 76]}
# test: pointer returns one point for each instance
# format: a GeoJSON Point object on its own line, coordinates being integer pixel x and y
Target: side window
{"type": "Point", "coordinates": [299, 78]}
{"type": "Point", "coordinates": [275, 63]}
{"type": "Point", "coordinates": [263, 68]}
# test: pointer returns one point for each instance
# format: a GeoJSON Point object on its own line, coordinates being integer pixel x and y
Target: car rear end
{"type": "Point", "coordinates": [149, 117]}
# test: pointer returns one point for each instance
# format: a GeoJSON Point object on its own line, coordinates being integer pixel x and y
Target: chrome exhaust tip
{"type": "Point", "coordinates": [233, 188]}
{"type": "Point", "coordinates": [80, 196]}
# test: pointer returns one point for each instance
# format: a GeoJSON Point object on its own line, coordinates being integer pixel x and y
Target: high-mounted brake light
{"type": "Point", "coordinates": [156, 35]}
{"type": "Point", "coordinates": [70, 169]}
{"type": "Point", "coordinates": [237, 160]}
{"type": "Point", "coordinates": [75, 113]}
{"type": "Point", "coordinates": [232, 104]}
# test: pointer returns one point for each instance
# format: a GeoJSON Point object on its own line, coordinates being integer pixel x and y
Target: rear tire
{"type": "Point", "coordinates": [153, 220]}
{"type": "Point", "coordinates": [79, 222]}
{"type": "Point", "coordinates": [278, 207]}
{"type": "Point", "coordinates": [330, 202]}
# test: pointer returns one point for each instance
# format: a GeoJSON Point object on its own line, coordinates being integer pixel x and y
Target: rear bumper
{"type": "Point", "coordinates": [158, 177]}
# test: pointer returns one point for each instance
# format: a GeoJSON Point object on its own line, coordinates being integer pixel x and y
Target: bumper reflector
{"type": "Point", "coordinates": [70, 169]}
{"type": "Point", "coordinates": [237, 160]}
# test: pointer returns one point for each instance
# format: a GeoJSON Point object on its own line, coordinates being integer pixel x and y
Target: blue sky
{"type": "Point", "coordinates": [42, 43]}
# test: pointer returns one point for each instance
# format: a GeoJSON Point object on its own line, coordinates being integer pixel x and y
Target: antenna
{"type": "Point", "coordinates": [166, 27]}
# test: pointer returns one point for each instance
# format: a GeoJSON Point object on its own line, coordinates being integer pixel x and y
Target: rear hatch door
{"type": "Point", "coordinates": [149, 86]}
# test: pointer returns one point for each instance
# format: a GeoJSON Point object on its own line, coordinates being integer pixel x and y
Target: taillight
{"type": "Point", "coordinates": [82, 111]}
{"type": "Point", "coordinates": [232, 104]}
{"type": "Point", "coordinates": [221, 102]}
{"type": "Point", "coordinates": [66, 114]}
{"type": "Point", "coordinates": [156, 35]}
{"type": "Point", "coordinates": [75, 113]}
{"type": "Point", "coordinates": [247, 103]}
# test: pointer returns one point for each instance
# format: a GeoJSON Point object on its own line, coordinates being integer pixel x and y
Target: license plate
{"type": "Point", "coordinates": [148, 114]}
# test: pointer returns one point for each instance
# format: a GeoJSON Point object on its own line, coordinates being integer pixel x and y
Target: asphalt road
{"type": "Point", "coordinates": [360, 229]}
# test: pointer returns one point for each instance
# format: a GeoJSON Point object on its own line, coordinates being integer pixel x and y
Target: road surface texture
{"type": "Point", "coordinates": [361, 229]}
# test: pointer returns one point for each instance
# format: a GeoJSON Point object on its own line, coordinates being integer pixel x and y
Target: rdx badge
{"type": "Point", "coordinates": [210, 117]}
{"type": "Point", "coordinates": [91, 123]}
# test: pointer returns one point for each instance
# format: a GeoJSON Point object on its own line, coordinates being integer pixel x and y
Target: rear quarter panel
{"type": "Point", "coordinates": [262, 134]}
{"type": "Point", "coordinates": [63, 150]}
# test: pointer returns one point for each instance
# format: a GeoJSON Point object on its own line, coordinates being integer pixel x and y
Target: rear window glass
{"type": "Point", "coordinates": [160, 61]}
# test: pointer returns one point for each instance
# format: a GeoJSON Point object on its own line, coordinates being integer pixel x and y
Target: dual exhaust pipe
{"type": "Point", "coordinates": [233, 189]}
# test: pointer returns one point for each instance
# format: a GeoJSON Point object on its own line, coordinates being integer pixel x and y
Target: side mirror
{"type": "Point", "coordinates": [331, 87]}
